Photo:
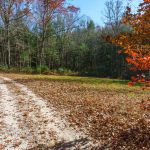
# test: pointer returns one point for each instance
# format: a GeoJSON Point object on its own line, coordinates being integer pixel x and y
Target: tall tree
{"type": "Point", "coordinates": [114, 11]}
{"type": "Point", "coordinates": [46, 12]}
{"type": "Point", "coordinates": [11, 10]}
{"type": "Point", "coordinates": [136, 44]}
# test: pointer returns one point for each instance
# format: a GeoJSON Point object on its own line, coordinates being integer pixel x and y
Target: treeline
{"type": "Point", "coordinates": [36, 37]}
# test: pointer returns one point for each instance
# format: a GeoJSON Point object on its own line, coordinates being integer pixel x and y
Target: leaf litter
{"type": "Point", "coordinates": [110, 116]}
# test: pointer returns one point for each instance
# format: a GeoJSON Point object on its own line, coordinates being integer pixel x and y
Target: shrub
{"type": "Point", "coordinates": [64, 71]}
{"type": "Point", "coordinates": [27, 70]}
{"type": "Point", "coordinates": [42, 69]}
{"type": "Point", "coordinates": [3, 68]}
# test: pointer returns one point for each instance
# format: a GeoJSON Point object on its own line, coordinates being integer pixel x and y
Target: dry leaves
{"type": "Point", "coordinates": [110, 116]}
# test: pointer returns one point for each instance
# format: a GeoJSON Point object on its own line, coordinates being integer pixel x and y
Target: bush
{"type": "Point", "coordinates": [42, 69]}
{"type": "Point", "coordinates": [13, 69]}
{"type": "Point", "coordinates": [64, 71]}
{"type": "Point", "coordinates": [3, 68]}
{"type": "Point", "coordinates": [27, 70]}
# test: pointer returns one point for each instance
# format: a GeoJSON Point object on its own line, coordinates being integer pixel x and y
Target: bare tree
{"type": "Point", "coordinates": [114, 11]}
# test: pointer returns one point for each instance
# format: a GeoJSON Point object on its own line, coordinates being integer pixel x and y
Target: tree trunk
{"type": "Point", "coordinates": [8, 43]}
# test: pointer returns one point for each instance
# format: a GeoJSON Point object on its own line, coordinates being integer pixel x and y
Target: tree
{"type": "Point", "coordinates": [11, 10]}
{"type": "Point", "coordinates": [46, 12]}
{"type": "Point", "coordinates": [136, 44]}
{"type": "Point", "coordinates": [53, 37]}
{"type": "Point", "coordinates": [113, 14]}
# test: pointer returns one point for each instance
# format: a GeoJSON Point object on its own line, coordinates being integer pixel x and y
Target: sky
{"type": "Point", "coordinates": [95, 8]}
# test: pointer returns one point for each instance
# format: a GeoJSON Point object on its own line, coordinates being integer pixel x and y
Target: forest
{"type": "Point", "coordinates": [67, 83]}
{"type": "Point", "coordinates": [38, 37]}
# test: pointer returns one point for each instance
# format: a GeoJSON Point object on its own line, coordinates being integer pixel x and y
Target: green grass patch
{"type": "Point", "coordinates": [117, 85]}
{"type": "Point", "coordinates": [103, 83]}
{"type": "Point", "coordinates": [88, 80]}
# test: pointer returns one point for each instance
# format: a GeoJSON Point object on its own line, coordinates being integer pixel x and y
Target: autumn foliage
{"type": "Point", "coordinates": [136, 43]}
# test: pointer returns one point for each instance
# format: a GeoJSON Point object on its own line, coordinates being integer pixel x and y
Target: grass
{"type": "Point", "coordinates": [77, 79]}
{"type": "Point", "coordinates": [88, 80]}
{"type": "Point", "coordinates": [91, 82]}
{"type": "Point", "coordinates": [103, 83]}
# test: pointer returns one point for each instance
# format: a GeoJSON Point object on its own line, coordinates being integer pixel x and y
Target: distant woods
{"type": "Point", "coordinates": [43, 35]}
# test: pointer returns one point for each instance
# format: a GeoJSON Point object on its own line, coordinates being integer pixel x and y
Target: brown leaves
{"type": "Point", "coordinates": [137, 136]}
{"type": "Point", "coordinates": [1, 146]}
{"type": "Point", "coordinates": [110, 116]}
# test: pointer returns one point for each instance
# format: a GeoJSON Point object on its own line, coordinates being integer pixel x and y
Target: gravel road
{"type": "Point", "coordinates": [27, 122]}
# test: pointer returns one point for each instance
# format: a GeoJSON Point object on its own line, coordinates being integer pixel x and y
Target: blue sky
{"type": "Point", "coordinates": [95, 8]}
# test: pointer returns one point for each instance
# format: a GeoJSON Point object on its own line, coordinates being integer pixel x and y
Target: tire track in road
{"type": "Point", "coordinates": [10, 133]}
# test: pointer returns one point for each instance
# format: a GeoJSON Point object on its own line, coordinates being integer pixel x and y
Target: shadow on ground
{"type": "Point", "coordinates": [80, 144]}
{"type": "Point", "coordinates": [135, 137]}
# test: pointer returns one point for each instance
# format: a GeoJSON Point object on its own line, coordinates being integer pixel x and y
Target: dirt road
{"type": "Point", "coordinates": [28, 122]}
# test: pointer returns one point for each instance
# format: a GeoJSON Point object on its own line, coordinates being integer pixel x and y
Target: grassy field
{"type": "Point", "coordinates": [108, 109]}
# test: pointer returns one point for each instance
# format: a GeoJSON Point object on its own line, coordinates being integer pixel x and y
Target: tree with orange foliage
{"type": "Point", "coordinates": [136, 44]}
